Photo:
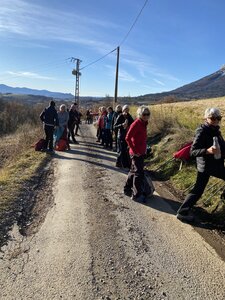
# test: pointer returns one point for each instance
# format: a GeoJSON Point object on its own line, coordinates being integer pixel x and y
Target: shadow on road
{"type": "Point", "coordinates": [102, 165]}
{"type": "Point", "coordinates": [169, 206]}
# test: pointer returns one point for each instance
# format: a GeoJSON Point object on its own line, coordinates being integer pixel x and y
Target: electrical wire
{"type": "Point", "coordinates": [98, 59]}
{"type": "Point", "coordinates": [90, 64]}
{"type": "Point", "coordinates": [132, 26]}
{"type": "Point", "coordinates": [123, 40]}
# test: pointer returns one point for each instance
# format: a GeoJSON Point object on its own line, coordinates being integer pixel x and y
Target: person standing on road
{"type": "Point", "coordinates": [136, 139]}
{"type": "Point", "coordinates": [123, 123]}
{"type": "Point", "coordinates": [72, 122]}
{"type": "Point", "coordinates": [78, 118]}
{"type": "Point", "coordinates": [116, 114]}
{"type": "Point", "coordinates": [108, 128]}
{"type": "Point", "coordinates": [49, 117]}
{"type": "Point", "coordinates": [101, 125]}
{"type": "Point", "coordinates": [63, 117]}
{"type": "Point", "coordinates": [209, 159]}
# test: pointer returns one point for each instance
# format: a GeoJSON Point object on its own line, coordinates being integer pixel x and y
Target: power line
{"type": "Point", "coordinates": [98, 59]}
{"type": "Point", "coordinates": [135, 21]}
{"type": "Point", "coordinates": [123, 40]}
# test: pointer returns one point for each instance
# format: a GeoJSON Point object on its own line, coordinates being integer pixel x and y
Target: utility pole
{"type": "Point", "coordinates": [117, 73]}
{"type": "Point", "coordinates": [77, 73]}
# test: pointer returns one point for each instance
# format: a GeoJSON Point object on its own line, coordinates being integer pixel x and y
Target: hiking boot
{"type": "Point", "coordinates": [118, 165]}
{"type": "Point", "coordinates": [185, 216]}
{"type": "Point", "coordinates": [50, 152]}
{"type": "Point", "coordinates": [127, 192]}
{"type": "Point", "coordinates": [140, 198]}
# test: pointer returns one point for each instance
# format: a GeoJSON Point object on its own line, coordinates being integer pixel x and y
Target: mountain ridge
{"type": "Point", "coordinates": [210, 86]}
{"type": "Point", "coordinates": [4, 89]}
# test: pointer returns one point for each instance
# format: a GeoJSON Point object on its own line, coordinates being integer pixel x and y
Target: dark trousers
{"type": "Point", "coordinates": [103, 136]}
{"type": "Point", "coordinates": [123, 158]}
{"type": "Point", "coordinates": [49, 130]}
{"type": "Point", "coordinates": [77, 128]}
{"type": "Point", "coordinates": [116, 140]}
{"type": "Point", "coordinates": [199, 187]}
{"type": "Point", "coordinates": [108, 138]}
{"type": "Point", "coordinates": [135, 176]}
{"type": "Point", "coordinates": [71, 131]}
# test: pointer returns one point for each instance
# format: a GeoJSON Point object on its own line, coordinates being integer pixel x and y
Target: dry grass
{"type": "Point", "coordinates": [19, 162]}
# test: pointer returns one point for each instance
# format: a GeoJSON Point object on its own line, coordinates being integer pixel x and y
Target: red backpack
{"type": "Point", "coordinates": [39, 145]}
{"type": "Point", "coordinates": [61, 145]}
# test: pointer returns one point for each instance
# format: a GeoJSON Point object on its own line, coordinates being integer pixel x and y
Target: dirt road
{"type": "Point", "coordinates": [95, 243]}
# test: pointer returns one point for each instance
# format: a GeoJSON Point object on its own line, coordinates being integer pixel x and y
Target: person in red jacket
{"type": "Point", "coordinates": [136, 139]}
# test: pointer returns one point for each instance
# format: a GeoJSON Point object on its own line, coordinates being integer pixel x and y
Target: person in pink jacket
{"type": "Point", "coordinates": [136, 139]}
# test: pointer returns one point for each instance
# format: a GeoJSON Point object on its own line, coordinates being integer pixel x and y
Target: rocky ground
{"type": "Point", "coordinates": [86, 240]}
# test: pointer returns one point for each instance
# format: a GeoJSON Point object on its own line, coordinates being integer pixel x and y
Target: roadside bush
{"type": "Point", "coordinates": [13, 115]}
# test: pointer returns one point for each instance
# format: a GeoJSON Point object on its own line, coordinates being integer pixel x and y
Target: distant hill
{"type": "Point", "coordinates": [211, 86]}
{"type": "Point", "coordinates": [4, 89]}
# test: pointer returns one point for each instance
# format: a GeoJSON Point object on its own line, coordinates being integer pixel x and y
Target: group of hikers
{"type": "Point", "coordinates": [61, 125]}
{"type": "Point", "coordinates": [130, 139]}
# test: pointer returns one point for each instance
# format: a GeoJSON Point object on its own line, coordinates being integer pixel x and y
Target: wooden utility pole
{"type": "Point", "coordinates": [77, 73]}
{"type": "Point", "coordinates": [117, 73]}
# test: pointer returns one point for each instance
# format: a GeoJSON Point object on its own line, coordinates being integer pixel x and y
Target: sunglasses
{"type": "Point", "coordinates": [146, 115]}
{"type": "Point", "coordinates": [216, 118]}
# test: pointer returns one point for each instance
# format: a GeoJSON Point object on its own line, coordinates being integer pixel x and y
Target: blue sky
{"type": "Point", "coordinates": [173, 43]}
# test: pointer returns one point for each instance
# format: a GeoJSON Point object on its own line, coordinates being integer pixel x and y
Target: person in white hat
{"type": "Point", "coordinates": [122, 124]}
{"type": "Point", "coordinates": [209, 150]}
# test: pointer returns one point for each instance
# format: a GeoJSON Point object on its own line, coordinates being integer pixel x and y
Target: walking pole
{"type": "Point", "coordinates": [214, 193]}
{"type": "Point", "coordinates": [212, 186]}
{"type": "Point", "coordinates": [164, 164]}
{"type": "Point", "coordinates": [189, 188]}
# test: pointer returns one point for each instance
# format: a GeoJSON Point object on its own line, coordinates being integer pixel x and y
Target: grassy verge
{"type": "Point", "coordinates": [171, 126]}
{"type": "Point", "coordinates": [19, 163]}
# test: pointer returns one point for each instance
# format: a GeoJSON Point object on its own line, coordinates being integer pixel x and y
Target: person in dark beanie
{"type": "Point", "coordinates": [136, 139]}
{"type": "Point", "coordinates": [209, 150]}
{"type": "Point", "coordinates": [49, 117]}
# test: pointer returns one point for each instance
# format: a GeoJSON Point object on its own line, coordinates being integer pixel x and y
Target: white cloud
{"type": "Point", "coordinates": [125, 76]}
{"type": "Point", "coordinates": [19, 17]}
{"type": "Point", "coordinates": [29, 75]}
{"type": "Point", "coordinates": [159, 82]}
{"type": "Point", "coordinates": [147, 69]}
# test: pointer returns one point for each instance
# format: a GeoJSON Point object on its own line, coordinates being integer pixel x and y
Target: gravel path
{"type": "Point", "coordinates": [95, 243]}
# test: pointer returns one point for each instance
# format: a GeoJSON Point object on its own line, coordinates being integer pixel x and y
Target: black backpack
{"type": "Point", "coordinates": [147, 186]}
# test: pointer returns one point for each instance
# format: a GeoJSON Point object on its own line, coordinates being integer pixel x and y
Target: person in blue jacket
{"type": "Point", "coordinates": [108, 129]}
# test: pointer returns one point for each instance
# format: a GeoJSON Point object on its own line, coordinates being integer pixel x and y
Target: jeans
{"type": "Point", "coordinates": [135, 176]}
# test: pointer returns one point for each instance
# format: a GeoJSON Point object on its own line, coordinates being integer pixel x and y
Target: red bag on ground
{"type": "Point", "coordinates": [61, 145]}
{"type": "Point", "coordinates": [184, 152]}
{"type": "Point", "coordinates": [39, 145]}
